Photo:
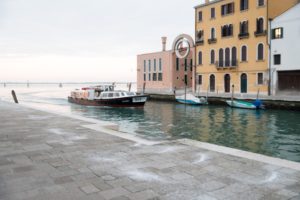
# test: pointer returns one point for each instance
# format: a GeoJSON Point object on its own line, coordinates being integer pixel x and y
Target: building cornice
{"type": "Point", "coordinates": [207, 4]}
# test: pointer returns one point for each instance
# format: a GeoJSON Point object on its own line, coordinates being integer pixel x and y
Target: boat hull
{"type": "Point", "coordinates": [241, 104]}
{"type": "Point", "coordinates": [134, 101]}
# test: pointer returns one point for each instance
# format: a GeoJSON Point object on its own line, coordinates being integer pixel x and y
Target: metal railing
{"type": "Point", "coordinates": [227, 64]}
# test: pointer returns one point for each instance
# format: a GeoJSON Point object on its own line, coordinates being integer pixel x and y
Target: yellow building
{"type": "Point", "coordinates": [232, 44]}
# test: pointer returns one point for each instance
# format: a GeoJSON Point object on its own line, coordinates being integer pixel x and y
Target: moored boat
{"type": "Point", "coordinates": [190, 99]}
{"type": "Point", "coordinates": [244, 104]}
{"type": "Point", "coordinates": [105, 95]}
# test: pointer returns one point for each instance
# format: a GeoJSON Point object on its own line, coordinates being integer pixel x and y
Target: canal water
{"type": "Point", "coordinates": [271, 132]}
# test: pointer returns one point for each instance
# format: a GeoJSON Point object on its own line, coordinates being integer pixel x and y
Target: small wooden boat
{"type": "Point", "coordinates": [191, 99]}
{"type": "Point", "coordinates": [105, 95]}
{"type": "Point", "coordinates": [241, 104]}
{"type": "Point", "coordinates": [257, 104]}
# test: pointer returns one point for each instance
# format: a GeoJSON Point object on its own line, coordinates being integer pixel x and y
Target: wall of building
{"type": "Point", "coordinates": [252, 66]}
{"type": "Point", "coordinates": [288, 46]}
{"type": "Point", "coordinates": [167, 78]}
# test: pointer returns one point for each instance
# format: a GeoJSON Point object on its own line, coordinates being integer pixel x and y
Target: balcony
{"type": "Point", "coordinates": [243, 35]}
{"type": "Point", "coordinates": [212, 40]}
{"type": "Point", "coordinates": [260, 33]}
{"type": "Point", "coordinates": [231, 64]}
{"type": "Point", "coordinates": [199, 42]}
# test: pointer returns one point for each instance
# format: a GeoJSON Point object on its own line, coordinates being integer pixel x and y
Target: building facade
{"type": "Point", "coordinates": [285, 48]}
{"type": "Point", "coordinates": [232, 44]}
{"type": "Point", "coordinates": [162, 72]}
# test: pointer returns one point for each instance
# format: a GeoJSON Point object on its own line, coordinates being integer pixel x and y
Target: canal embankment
{"type": "Point", "coordinates": [270, 102]}
{"type": "Point", "coordinates": [48, 156]}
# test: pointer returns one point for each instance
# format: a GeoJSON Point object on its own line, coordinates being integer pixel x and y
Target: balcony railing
{"type": "Point", "coordinates": [212, 40]}
{"type": "Point", "coordinates": [243, 35]}
{"type": "Point", "coordinates": [199, 41]}
{"type": "Point", "coordinates": [230, 64]}
{"type": "Point", "coordinates": [260, 33]}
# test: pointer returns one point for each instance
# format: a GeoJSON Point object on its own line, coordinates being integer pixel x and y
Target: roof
{"type": "Point", "coordinates": [207, 4]}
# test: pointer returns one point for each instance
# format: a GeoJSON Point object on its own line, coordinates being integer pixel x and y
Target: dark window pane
{"type": "Point", "coordinates": [260, 78]}
{"type": "Point", "coordinates": [277, 59]}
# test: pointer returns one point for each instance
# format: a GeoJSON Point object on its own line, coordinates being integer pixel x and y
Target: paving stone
{"type": "Point", "coordinates": [113, 193]}
{"type": "Point", "coordinates": [23, 169]}
{"type": "Point", "coordinates": [63, 180]}
{"type": "Point", "coordinates": [88, 189]}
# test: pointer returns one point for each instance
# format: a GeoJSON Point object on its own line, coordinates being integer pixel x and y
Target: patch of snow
{"type": "Point", "coordinates": [144, 176]}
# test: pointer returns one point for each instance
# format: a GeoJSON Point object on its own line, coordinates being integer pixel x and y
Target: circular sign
{"type": "Point", "coordinates": [182, 47]}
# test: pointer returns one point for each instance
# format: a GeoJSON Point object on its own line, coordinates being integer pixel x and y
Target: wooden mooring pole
{"type": "Point", "coordinates": [14, 96]}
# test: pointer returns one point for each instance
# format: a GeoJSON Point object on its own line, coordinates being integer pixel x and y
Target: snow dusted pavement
{"type": "Point", "coordinates": [48, 156]}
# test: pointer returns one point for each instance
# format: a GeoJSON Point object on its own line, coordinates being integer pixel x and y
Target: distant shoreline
{"type": "Point", "coordinates": [21, 83]}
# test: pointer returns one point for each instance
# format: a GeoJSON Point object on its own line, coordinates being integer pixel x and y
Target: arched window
{"type": "Point", "coordinates": [200, 58]}
{"type": "Point", "coordinates": [260, 52]}
{"type": "Point", "coordinates": [213, 33]}
{"type": "Point", "coordinates": [212, 57]}
{"type": "Point", "coordinates": [221, 58]}
{"type": "Point", "coordinates": [233, 57]}
{"type": "Point", "coordinates": [227, 83]}
{"type": "Point", "coordinates": [227, 57]}
{"type": "Point", "coordinates": [212, 83]}
{"type": "Point", "coordinates": [260, 25]}
{"type": "Point", "coordinates": [244, 53]}
{"type": "Point", "coordinates": [244, 83]}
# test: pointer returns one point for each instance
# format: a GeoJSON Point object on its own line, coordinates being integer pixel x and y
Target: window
{"type": "Point", "coordinates": [177, 64]}
{"type": "Point", "coordinates": [191, 67]}
{"type": "Point", "coordinates": [277, 59]}
{"type": "Point", "coordinates": [185, 65]}
{"type": "Point", "coordinates": [244, 54]}
{"type": "Point", "coordinates": [227, 9]}
{"type": "Point", "coordinates": [244, 4]}
{"type": "Point", "coordinates": [227, 30]}
{"type": "Point", "coordinates": [261, 2]}
{"type": "Point", "coordinates": [212, 57]}
{"type": "Point", "coordinates": [149, 77]}
{"type": "Point", "coordinates": [259, 25]}
{"type": "Point", "coordinates": [212, 13]}
{"type": "Point", "coordinates": [277, 33]}
{"type": "Point", "coordinates": [260, 78]}
{"type": "Point", "coordinates": [144, 77]}
{"type": "Point", "coordinates": [149, 65]}
{"type": "Point", "coordinates": [154, 65]}
{"type": "Point", "coordinates": [244, 28]}
{"type": "Point", "coordinates": [200, 58]}
{"type": "Point", "coordinates": [154, 76]}
{"type": "Point", "coordinates": [260, 52]}
{"type": "Point", "coordinates": [200, 16]}
{"type": "Point", "coordinates": [145, 66]}
{"type": "Point", "coordinates": [221, 58]}
{"type": "Point", "coordinates": [160, 67]}
{"type": "Point", "coordinates": [185, 79]}
{"type": "Point", "coordinates": [200, 35]}
{"type": "Point", "coordinates": [227, 57]}
{"type": "Point", "coordinates": [213, 33]}
{"type": "Point", "coordinates": [160, 76]}
{"type": "Point", "coordinates": [233, 56]}
{"type": "Point", "coordinates": [199, 79]}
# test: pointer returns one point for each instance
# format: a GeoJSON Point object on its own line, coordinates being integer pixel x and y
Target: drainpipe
{"type": "Point", "coordinates": [270, 57]}
{"type": "Point", "coordinates": [269, 45]}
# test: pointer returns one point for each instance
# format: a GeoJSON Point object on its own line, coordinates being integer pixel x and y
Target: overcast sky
{"type": "Point", "coordinates": [85, 40]}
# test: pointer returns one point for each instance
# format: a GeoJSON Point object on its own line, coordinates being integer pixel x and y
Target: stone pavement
{"type": "Point", "coordinates": [46, 156]}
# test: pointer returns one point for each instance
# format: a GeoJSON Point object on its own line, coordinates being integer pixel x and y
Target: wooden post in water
{"type": "Point", "coordinates": [232, 94]}
{"type": "Point", "coordinates": [4, 84]}
{"type": "Point", "coordinates": [129, 87]}
{"type": "Point", "coordinates": [144, 87]}
{"type": "Point", "coordinates": [14, 96]}
{"type": "Point", "coordinates": [257, 94]}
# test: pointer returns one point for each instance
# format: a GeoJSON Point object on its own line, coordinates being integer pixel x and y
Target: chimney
{"type": "Point", "coordinates": [164, 42]}
{"type": "Point", "coordinates": [207, 1]}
